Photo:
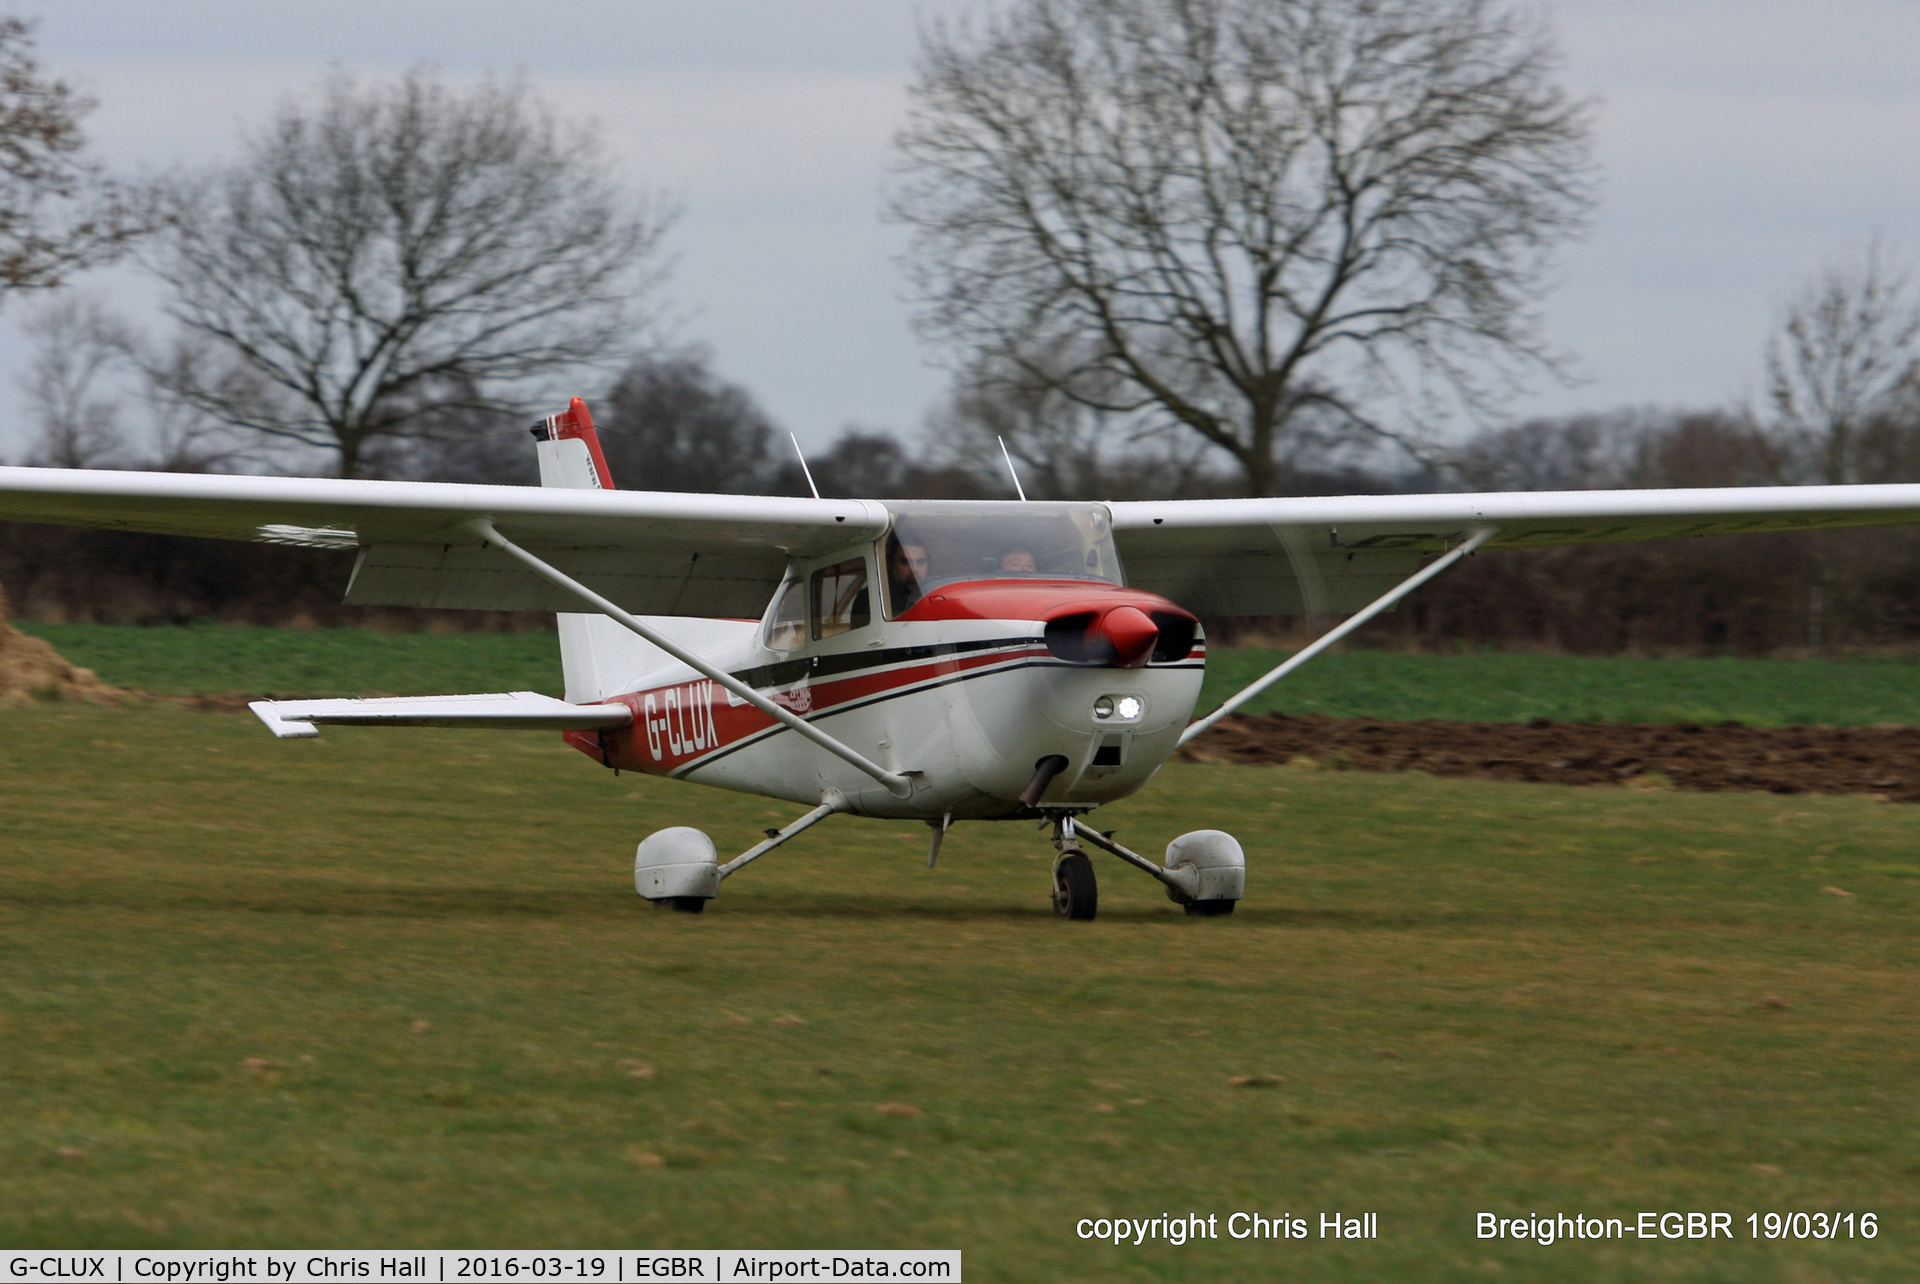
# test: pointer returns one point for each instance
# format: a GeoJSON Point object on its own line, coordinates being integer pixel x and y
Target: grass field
{"type": "Point", "coordinates": [1509, 687]}
{"type": "Point", "coordinates": [394, 989]}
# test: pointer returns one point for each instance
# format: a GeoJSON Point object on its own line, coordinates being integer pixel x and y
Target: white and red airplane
{"type": "Point", "coordinates": [929, 661]}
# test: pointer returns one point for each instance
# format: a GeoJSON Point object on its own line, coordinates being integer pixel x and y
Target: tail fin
{"type": "Point", "coordinates": [590, 645]}
{"type": "Point", "coordinates": [599, 658]}
{"type": "Point", "coordinates": [569, 450]}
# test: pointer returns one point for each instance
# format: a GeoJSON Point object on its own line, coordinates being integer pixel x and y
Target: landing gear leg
{"type": "Point", "coordinates": [1076, 894]}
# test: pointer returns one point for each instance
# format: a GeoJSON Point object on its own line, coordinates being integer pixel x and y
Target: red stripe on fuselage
{"type": "Point", "coordinates": [680, 723]}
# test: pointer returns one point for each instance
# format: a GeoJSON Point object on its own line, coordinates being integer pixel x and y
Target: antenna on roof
{"type": "Point", "coordinates": [803, 465]}
{"type": "Point", "coordinates": [1018, 489]}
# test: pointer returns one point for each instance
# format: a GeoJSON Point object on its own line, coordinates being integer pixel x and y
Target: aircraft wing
{"type": "Point", "coordinates": [508, 711]}
{"type": "Point", "coordinates": [657, 553]}
{"type": "Point", "coordinates": [652, 552]}
{"type": "Point", "coordinates": [1335, 554]}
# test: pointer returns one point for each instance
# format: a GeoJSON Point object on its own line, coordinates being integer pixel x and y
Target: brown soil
{"type": "Point", "coordinates": [1781, 760]}
{"type": "Point", "coordinates": [32, 669]}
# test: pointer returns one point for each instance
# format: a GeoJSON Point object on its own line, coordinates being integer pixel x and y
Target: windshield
{"type": "Point", "coordinates": [940, 542]}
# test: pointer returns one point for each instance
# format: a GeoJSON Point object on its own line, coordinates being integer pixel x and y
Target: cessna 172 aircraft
{"type": "Point", "coordinates": [928, 661]}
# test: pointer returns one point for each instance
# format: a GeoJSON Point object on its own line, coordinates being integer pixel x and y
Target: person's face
{"type": "Point", "coordinates": [1019, 560]}
{"type": "Point", "coordinates": [909, 563]}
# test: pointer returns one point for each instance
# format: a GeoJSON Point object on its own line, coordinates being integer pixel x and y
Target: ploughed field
{"type": "Point", "coordinates": [1883, 761]}
{"type": "Point", "coordinates": [394, 988]}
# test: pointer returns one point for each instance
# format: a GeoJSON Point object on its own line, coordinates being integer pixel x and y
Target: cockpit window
{"type": "Point", "coordinates": [840, 598]}
{"type": "Point", "coordinates": [940, 542]}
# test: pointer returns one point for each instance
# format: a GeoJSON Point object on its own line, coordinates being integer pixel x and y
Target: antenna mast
{"type": "Point", "coordinates": [809, 472]}
{"type": "Point", "coordinates": [1018, 489]}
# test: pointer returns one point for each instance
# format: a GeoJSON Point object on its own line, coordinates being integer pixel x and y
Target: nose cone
{"type": "Point", "coordinates": [1132, 634]}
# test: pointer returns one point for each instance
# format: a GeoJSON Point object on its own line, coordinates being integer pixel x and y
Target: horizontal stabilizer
{"type": "Point", "coordinates": [506, 711]}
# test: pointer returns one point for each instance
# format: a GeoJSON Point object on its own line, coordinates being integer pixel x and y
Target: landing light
{"type": "Point", "coordinates": [1123, 708]}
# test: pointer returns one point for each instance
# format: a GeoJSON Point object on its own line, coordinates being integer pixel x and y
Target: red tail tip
{"type": "Point", "coordinates": [577, 421]}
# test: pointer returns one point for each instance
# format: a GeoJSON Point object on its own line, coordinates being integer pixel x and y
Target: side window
{"type": "Point", "coordinates": [840, 600]}
{"type": "Point", "coordinates": [788, 627]}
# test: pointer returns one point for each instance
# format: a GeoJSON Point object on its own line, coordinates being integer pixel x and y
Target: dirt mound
{"type": "Point", "coordinates": [1781, 760]}
{"type": "Point", "coordinates": [31, 669]}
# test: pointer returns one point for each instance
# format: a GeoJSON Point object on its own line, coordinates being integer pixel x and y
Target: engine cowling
{"type": "Point", "coordinates": [1123, 636]}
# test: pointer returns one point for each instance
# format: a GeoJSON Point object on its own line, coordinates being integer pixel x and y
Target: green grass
{"type": "Point", "coordinates": [222, 660]}
{"type": "Point", "coordinates": [1517, 687]}
{"type": "Point", "coordinates": [1491, 686]}
{"type": "Point", "coordinates": [377, 989]}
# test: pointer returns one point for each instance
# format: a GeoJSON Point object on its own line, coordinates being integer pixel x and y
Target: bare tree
{"type": "Point", "coordinates": [671, 423]}
{"type": "Point", "coordinates": [487, 447]}
{"type": "Point", "coordinates": [1064, 447]}
{"type": "Point", "coordinates": [1707, 448]}
{"type": "Point", "coordinates": [1844, 368]}
{"type": "Point", "coordinates": [1583, 452]}
{"type": "Point", "coordinates": [1251, 212]}
{"type": "Point", "coordinates": [58, 214]}
{"type": "Point", "coordinates": [78, 349]}
{"type": "Point", "coordinates": [1637, 447]}
{"type": "Point", "coordinates": [387, 258]}
{"type": "Point", "coordinates": [90, 392]}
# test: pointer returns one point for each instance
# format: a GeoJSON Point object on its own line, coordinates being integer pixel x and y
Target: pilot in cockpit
{"type": "Point", "coordinates": [906, 573]}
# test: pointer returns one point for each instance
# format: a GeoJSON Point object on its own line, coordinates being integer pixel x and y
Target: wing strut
{"type": "Point", "coordinates": [897, 785]}
{"type": "Point", "coordinates": [1352, 622]}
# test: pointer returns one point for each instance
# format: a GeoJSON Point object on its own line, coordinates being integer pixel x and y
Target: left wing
{"type": "Point", "coordinates": [653, 553]}
{"type": "Point", "coordinates": [1334, 555]}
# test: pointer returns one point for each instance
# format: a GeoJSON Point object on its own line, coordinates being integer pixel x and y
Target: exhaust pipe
{"type": "Point", "coordinates": [1044, 772]}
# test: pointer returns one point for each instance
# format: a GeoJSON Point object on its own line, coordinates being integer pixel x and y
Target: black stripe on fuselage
{"type": "Point", "coordinates": [782, 672]}
{"type": "Point", "coordinates": [910, 688]}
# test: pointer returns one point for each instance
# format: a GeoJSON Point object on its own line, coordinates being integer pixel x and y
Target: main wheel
{"type": "Point", "coordinates": [1075, 894]}
{"type": "Point", "coordinates": [684, 904]}
{"type": "Point", "coordinates": [1210, 909]}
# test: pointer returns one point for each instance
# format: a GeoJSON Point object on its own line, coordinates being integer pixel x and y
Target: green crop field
{"type": "Point", "coordinates": [1492, 686]}
{"type": "Point", "coordinates": [220, 660]}
{"type": "Point", "coordinates": [394, 988]}
{"type": "Point", "coordinates": [1496, 686]}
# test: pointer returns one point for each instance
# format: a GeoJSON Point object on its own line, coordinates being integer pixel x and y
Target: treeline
{"type": "Point", "coordinates": [1750, 594]}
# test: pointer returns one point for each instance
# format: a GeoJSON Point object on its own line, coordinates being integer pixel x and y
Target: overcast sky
{"type": "Point", "coordinates": [1744, 143]}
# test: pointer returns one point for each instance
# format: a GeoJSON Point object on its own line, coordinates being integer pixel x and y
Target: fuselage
{"type": "Point", "coordinates": [968, 688]}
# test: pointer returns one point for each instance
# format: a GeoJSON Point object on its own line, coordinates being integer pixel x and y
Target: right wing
{"type": "Point", "coordinates": [652, 552]}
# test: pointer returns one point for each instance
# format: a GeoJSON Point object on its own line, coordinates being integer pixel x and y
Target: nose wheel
{"type": "Point", "coordinates": [1075, 893]}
